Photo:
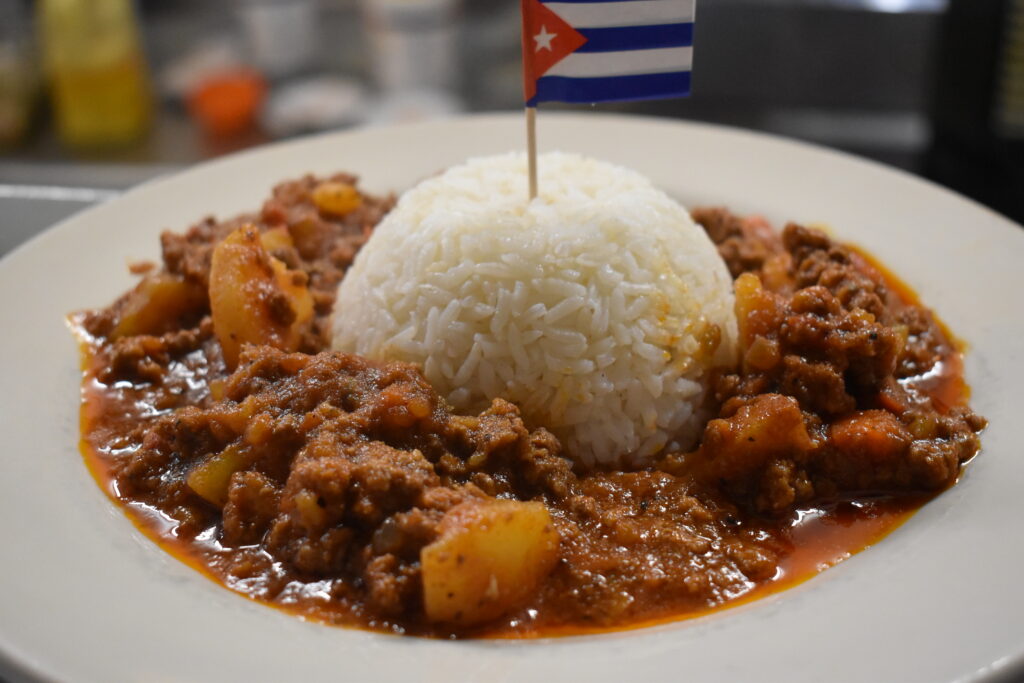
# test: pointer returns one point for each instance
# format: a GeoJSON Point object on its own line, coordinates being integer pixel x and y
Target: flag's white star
{"type": "Point", "coordinates": [543, 39]}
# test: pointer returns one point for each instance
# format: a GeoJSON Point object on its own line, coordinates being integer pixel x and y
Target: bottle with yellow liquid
{"type": "Point", "coordinates": [93, 56]}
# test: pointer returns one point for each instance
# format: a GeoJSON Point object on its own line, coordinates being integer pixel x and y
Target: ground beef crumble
{"type": "Point", "coordinates": [827, 381]}
{"type": "Point", "coordinates": [342, 469]}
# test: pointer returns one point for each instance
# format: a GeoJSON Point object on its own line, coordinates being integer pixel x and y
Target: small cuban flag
{"type": "Point", "coordinates": [586, 51]}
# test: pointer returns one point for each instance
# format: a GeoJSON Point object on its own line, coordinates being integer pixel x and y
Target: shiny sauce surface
{"type": "Point", "coordinates": [809, 540]}
{"type": "Point", "coordinates": [832, 471]}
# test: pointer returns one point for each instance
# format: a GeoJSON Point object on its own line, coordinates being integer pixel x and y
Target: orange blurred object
{"type": "Point", "coordinates": [227, 104]}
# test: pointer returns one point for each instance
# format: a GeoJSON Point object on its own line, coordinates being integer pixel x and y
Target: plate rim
{"type": "Point", "coordinates": [608, 117]}
{"type": "Point", "coordinates": [30, 667]}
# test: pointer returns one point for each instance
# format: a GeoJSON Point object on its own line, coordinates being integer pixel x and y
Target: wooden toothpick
{"type": "Point", "coordinates": [531, 148]}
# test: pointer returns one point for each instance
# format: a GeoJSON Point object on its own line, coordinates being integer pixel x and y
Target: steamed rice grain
{"type": "Point", "coordinates": [599, 308]}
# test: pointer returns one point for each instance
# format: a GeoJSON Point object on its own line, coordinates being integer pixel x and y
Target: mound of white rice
{"type": "Point", "coordinates": [598, 308]}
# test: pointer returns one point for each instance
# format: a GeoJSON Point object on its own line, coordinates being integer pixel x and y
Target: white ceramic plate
{"type": "Point", "coordinates": [84, 596]}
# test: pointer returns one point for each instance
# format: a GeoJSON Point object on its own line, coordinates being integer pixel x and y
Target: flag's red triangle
{"type": "Point", "coordinates": [547, 40]}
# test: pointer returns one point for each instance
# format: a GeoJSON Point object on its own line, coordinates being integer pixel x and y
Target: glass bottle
{"type": "Point", "coordinates": [412, 43]}
{"type": "Point", "coordinates": [17, 82]}
{"type": "Point", "coordinates": [93, 57]}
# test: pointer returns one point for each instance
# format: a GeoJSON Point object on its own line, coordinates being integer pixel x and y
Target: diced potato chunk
{"type": "Point", "coordinates": [254, 298]}
{"type": "Point", "coordinates": [757, 309]}
{"type": "Point", "coordinates": [336, 198]}
{"type": "Point", "coordinates": [490, 557]}
{"type": "Point", "coordinates": [770, 426]}
{"type": "Point", "coordinates": [156, 305]}
{"type": "Point", "coordinates": [210, 478]}
{"type": "Point", "coordinates": [276, 238]}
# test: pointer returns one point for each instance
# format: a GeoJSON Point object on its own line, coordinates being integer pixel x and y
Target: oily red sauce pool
{"type": "Point", "coordinates": [819, 537]}
{"type": "Point", "coordinates": [347, 491]}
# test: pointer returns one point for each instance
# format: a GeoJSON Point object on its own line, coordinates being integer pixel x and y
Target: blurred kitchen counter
{"type": "Point", "coordinates": [34, 195]}
{"type": "Point", "coordinates": [849, 74]}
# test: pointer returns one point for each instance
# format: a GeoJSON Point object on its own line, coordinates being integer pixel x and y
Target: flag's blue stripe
{"type": "Point", "coordinates": [622, 38]}
{"type": "Point", "coordinates": [611, 88]}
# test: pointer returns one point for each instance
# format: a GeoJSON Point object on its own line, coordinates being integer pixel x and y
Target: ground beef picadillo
{"type": "Point", "coordinates": [849, 403]}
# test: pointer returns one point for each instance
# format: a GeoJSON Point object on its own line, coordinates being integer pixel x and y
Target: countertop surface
{"type": "Point", "coordinates": [34, 197]}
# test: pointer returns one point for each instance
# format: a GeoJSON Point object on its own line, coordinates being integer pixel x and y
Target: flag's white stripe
{"type": "Point", "coordinates": [633, 13]}
{"type": "Point", "coordinates": [597, 64]}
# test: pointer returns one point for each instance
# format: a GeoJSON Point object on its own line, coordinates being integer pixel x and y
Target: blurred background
{"type": "Point", "coordinates": [98, 95]}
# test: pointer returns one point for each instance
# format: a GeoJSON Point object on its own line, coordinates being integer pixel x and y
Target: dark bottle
{"type": "Point", "coordinates": [977, 106]}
